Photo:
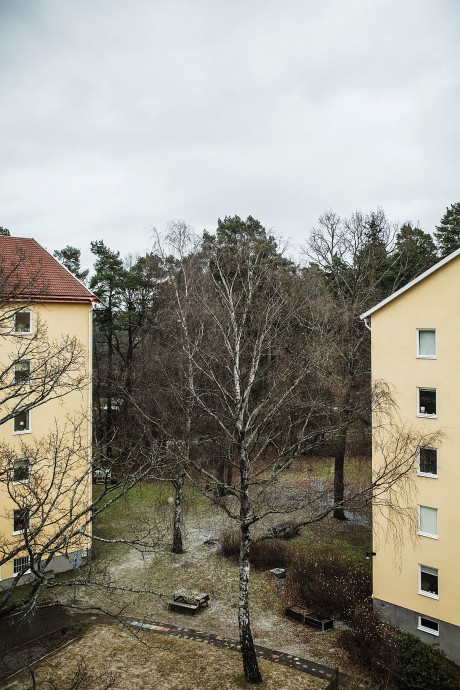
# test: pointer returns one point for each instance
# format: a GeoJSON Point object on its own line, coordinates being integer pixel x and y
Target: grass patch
{"type": "Point", "coordinates": [154, 661]}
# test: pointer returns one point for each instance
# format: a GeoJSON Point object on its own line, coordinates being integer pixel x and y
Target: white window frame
{"type": "Point", "coordinates": [21, 481]}
{"type": "Point", "coordinates": [29, 428]}
{"type": "Point", "coordinates": [21, 531]}
{"type": "Point", "coordinates": [419, 356]}
{"type": "Point", "coordinates": [430, 631]}
{"type": "Point", "coordinates": [424, 415]}
{"type": "Point", "coordinates": [23, 311]}
{"type": "Point", "coordinates": [427, 474]}
{"type": "Point", "coordinates": [16, 570]}
{"type": "Point", "coordinates": [427, 534]}
{"type": "Point", "coordinates": [421, 591]}
{"type": "Point", "coordinates": [27, 380]}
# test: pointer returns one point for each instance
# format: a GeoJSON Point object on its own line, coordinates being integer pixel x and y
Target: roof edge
{"type": "Point", "coordinates": [411, 284]}
{"type": "Point", "coordinates": [93, 297]}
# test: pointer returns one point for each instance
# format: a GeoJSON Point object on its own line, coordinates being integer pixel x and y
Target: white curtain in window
{"type": "Point", "coordinates": [427, 343]}
{"type": "Point", "coordinates": [429, 520]}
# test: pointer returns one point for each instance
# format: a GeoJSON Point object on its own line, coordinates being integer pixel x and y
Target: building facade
{"type": "Point", "coordinates": [415, 350]}
{"type": "Point", "coordinates": [45, 413]}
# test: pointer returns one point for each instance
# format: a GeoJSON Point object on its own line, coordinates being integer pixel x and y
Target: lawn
{"type": "Point", "coordinates": [153, 661]}
{"type": "Point", "coordinates": [153, 574]}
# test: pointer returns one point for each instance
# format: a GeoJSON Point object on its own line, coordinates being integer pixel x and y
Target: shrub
{"type": "Point", "coordinates": [266, 554]}
{"type": "Point", "coordinates": [270, 553]}
{"type": "Point", "coordinates": [422, 666]}
{"type": "Point", "coordinates": [370, 641]}
{"type": "Point", "coordinates": [230, 545]}
{"type": "Point", "coordinates": [334, 585]}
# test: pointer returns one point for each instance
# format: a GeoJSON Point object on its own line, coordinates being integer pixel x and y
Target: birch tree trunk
{"type": "Point", "coordinates": [178, 545]}
{"type": "Point", "coordinates": [248, 652]}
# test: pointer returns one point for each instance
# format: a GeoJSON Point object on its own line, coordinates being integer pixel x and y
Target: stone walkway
{"type": "Point", "coordinates": [294, 662]}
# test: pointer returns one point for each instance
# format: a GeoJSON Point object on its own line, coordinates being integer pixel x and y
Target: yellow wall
{"type": "Point", "coordinates": [60, 319]}
{"type": "Point", "coordinates": [433, 303]}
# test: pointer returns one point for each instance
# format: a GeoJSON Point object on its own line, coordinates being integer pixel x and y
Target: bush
{"type": "Point", "coordinates": [270, 553]}
{"type": "Point", "coordinates": [266, 554]}
{"type": "Point", "coordinates": [334, 585]}
{"type": "Point", "coordinates": [370, 641]}
{"type": "Point", "coordinates": [422, 666]}
{"type": "Point", "coordinates": [230, 545]}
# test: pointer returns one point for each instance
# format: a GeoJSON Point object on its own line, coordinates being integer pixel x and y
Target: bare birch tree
{"type": "Point", "coordinates": [257, 372]}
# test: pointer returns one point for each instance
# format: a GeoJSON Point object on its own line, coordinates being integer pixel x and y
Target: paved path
{"type": "Point", "coordinates": [185, 633]}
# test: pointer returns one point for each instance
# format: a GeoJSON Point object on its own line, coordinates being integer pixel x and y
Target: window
{"type": "Point", "coordinates": [22, 371]}
{"type": "Point", "coordinates": [22, 322]}
{"type": "Point", "coordinates": [22, 423]}
{"type": "Point", "coordinates": [20, 520]}
{"type": "Point", "coordinates": [428, 462]}
{"type": "Point", "coordinates": [426, 343]}
{"type": "Point", "coordinates": [427, 521]}
{"type": "Point", "coordinates": [21, 470]}
{"type": "Point", "coordinates": [21, 565]}
{"type": "Point", "coordinates": [428, 581]}
{"type": "Point", "coordinates": [428, 625]}
{"type": "Point", "coordinates": [426, 405]}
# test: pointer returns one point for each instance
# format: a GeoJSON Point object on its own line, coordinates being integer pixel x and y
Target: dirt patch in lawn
{"type": "Point", "coordinates": [152, 661]}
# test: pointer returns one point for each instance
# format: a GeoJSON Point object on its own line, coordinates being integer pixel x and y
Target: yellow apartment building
{"type": "Point", "coordinates": [415, 349]}
{"type": "Point", "coordinates": [45, 413]}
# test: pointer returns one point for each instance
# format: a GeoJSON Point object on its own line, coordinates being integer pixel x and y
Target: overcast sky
{"type": "Point", "coordinates": [117, 116]}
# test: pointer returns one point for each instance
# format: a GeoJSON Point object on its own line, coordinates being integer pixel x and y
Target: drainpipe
{"type": "Point", "coordinates": [367, 323]}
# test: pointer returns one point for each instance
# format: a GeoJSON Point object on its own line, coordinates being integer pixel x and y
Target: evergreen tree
{"type": "Point", "coordinates": [232, 233]}
{"type": "Point", "coordinates": [448, 231]}
{"type": "Point", "coordinates": [4, 231]}
{"type": "Point", "coordinates": [70, 258]}
{"type": "Point", "coordinates": [415, 253]}
{"type": "Point", "coordinates": [107, 283]}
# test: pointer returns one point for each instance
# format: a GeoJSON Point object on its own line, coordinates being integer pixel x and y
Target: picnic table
{"type": "Point", "coordinates": [188, 600]}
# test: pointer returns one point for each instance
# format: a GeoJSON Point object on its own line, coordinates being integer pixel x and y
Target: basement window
{"type": "Point", "coordinates": [21, 565]}
{"type": "Point", "coordinates": [426, 402]}
{"type": "Point", "coordinates": [428, 625]}
{"type": "Point", "coordinates": [428, 581]}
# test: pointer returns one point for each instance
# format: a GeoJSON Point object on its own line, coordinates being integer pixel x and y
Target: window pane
{"type": "Point", "coordinates": [21, 470]}
{"type": "Point", "coordinates": [22, 322]}
{"type": "Point", "coordinates": [427, 399]}
{"type": "Point", "coordinates": [21, 422]}
{"type": "Point", "coordinates": [427, 343]}
{"type": "Point", "coordinates": [21, 564]}
{"type": "Point", "coordinates": [428, 580]}
{"type": "Point", "coordinates": [428, 520]}
{"type": "Point", "coordinates": [22, 371]}
{"type": "Point", "coordinates": [429, 461]}
{"type": "Point", "coordinates": [428, 623]}
{"type": "Point", "coordinates": [21, 519]}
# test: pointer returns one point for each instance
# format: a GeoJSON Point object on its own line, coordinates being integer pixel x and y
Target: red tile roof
{"type": "Point", "coordinates": [29, 272]}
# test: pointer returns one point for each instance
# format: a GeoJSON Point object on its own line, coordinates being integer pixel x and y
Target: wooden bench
{"type": "Point", "coordinates": [188, 601]}
{"type": "Point", "coordinates": [183, 606]}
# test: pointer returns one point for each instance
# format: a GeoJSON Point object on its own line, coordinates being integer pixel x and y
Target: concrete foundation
{"type": "Point", "coordinates": [407, 621]}
{"type": "Point", "coordinates": [59, 564]}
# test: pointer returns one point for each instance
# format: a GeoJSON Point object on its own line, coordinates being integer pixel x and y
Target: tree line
{"type": "Point", "coordinates": [231, 360]}
{"type": "Point", "coordinates": [219, 361]}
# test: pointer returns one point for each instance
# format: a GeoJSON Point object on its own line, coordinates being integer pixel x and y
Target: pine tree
{"type": "Point", "coordinates": [70, 258]}
{"type": "Point", "coordinates": [448, 231]}
{"type": "Point", "coordinates": [415, 252]}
